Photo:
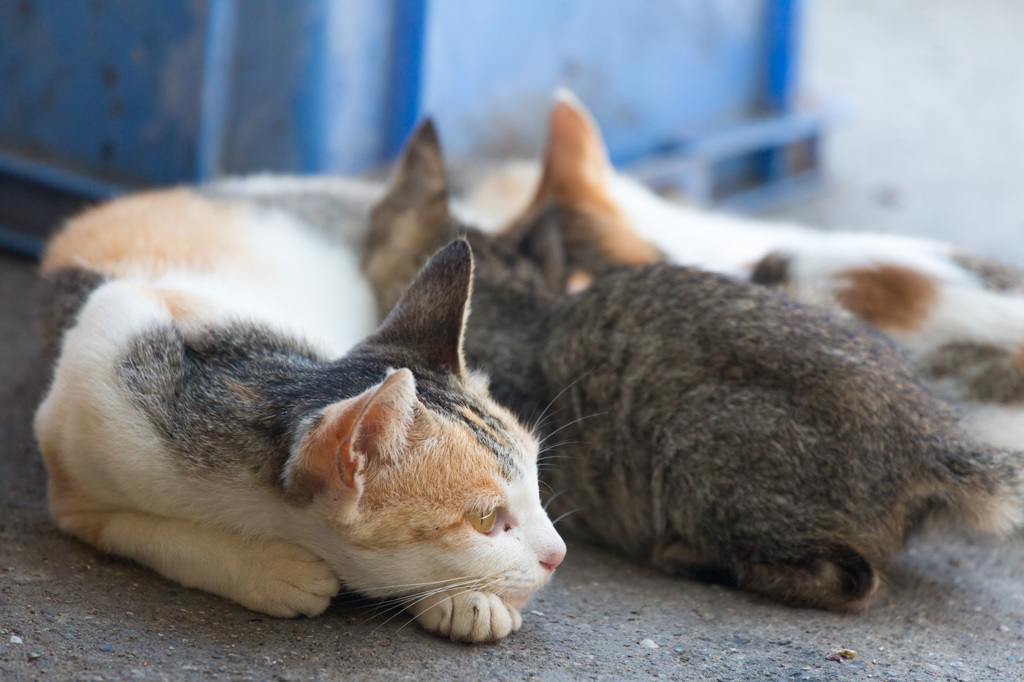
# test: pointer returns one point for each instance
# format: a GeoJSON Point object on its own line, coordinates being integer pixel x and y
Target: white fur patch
{"type": "Point", "coordinates": [270, 184]}
{"type": "Point", "coordinates": [998, 425]}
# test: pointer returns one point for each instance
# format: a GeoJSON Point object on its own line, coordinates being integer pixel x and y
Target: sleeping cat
{"type": "Point", "coordinates": [203, 421]}
{"type": "Point", "coordinates": [707, 426]}
{"type": "Point", "coordinates": [960, 318]}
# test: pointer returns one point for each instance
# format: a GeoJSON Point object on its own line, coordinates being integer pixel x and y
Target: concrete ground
{"type": "Point", "coordinates": [935, 148]}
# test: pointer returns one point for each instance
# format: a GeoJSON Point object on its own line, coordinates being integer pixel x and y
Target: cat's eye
{"type": "Point", "coordinates": [483, 520]}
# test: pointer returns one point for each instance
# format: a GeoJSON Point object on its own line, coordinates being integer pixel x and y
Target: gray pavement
{"type": "Point", "coordinates": [934, 147]}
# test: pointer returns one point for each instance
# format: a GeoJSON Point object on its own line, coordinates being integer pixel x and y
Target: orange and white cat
{"type": "Point", "coordinates": [216, 414]}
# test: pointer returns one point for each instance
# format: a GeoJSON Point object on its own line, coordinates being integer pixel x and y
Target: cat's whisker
{"type": "Point", "coordinates": [539, 427]}
{"type": "Point", "coordinates": [441, 585]}
{"type": "Point", "coordinates": [387, 604]}
{"type": "Point", "coordinates": [559, 454]}
{"type": "Point", "coordinates": [470, 585]}
{"type": "Point", "coordinates": [547, 461]}
{"type": "Point", "coordinates": [404, 603]}
{"type": "Point", "coordinates": [475, 588]}
{"type": "Point", "coordinates": [383, 607]}
{"type": "Point", "coordinates": [551, 448]}
{"type": "Point", "coordinates": [417, 597]}
{"type": "Point", "coordinates": [546, 485]}
{"type": "Point", "coordinates": [551, 499]}
{"type": "Point", "coordinates": [430, 582]}
{"type": "Point", "coordinates": [573, 383]}
{"type": "Point", "coordinates": [413, 599]}
{"type": "Point", "coordinates": [574, 421]}
{"type": "Point", "coordinates": [572, 511]}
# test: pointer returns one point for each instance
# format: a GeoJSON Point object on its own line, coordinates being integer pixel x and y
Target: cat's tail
{"type": "Point", "coordinates": [983, 487]}
{"type": "Point", "coordinates": [62, 295]}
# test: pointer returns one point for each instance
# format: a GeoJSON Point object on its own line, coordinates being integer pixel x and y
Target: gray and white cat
{"type": "Point", "coordinates": [711, 427]}
{"type": "Point", "coordinates": [209, 418]}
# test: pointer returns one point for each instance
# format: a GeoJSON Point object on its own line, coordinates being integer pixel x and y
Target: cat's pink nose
{"type": "Point", "coordinates": [551, 561]}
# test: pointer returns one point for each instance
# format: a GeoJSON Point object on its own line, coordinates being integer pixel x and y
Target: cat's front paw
{"type": "Point", "coordinates": [288, 581]}
{"type": "Point", "coordinates": [467, 616]}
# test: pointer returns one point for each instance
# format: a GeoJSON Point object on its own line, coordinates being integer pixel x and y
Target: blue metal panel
{"type": "Point", "coordinates": [111, 86]}
{"type": "Point", "coordinates": [406, 74]}
{"type": "Point", "coordinates": [356, 84]}
{"type": "Point", "coordinates": [19, 243]}
{"type": "Point", "coordinates": [54, 176]}
{"type": "Point", "coordinates": [309, 88]}
{"type": "Point", "coordinates": [151, 91]}
{"type": "Point", "coordinates": [274, 89]}
{"type": "Point", "coordinates": [161, 92]}
{"type": "Point", "coordinates": [780, 26]}
{"type": "Point", "coordinates": [728, 156]}
{"type": "Point", "coordinates": [218, 49]}
{"type": "Point", "coordinates": [652, 73]}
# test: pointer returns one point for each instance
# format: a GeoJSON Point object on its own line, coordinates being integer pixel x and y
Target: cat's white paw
{"type": "Point", "coordinates": [287, 581]}
{"type": "Point", "coordinates": [467, 616]}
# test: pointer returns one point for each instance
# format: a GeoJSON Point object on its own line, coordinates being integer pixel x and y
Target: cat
{"type": "Point", "coordinates": [960, 318]}
{"type": "Point", "coordinates": [710, 427]}
{"type": "Point", "coordinates": [211, 417]}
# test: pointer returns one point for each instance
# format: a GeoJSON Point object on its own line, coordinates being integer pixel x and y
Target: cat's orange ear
{"type": "Point", "coordinates": [349, 435]}
{"type": "Point", "coordinates": [428, 321]}
{"type": "Point", "coordinates": [578, 176]}
{"type": "Point", "coordinates": [577, 170]}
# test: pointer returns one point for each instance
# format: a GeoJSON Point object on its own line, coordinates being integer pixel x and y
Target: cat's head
{"type": "Point", "coordinates": [412, 220]}
{"type": "Point", "coordinates": [426, 479]}
{"type": "Point", "coordinates": [577, 182]}
{"type": "Point", "coordinates": [572, 230]}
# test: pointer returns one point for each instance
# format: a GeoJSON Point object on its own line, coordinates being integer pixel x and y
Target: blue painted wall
{"type": "Point", "coordinates": [164, 91]}
{"type": "Point", "coordinates": [653, 73]}
{"type": "Point", "coordinates": [111, 87]}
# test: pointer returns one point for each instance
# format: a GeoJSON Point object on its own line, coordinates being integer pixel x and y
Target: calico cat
{"type": "Point", "coordinates": [204, 421]}
{"type": "Point", "coordinates": [710, 427]}
{"type": "Point", "coordinates": [960, 318]}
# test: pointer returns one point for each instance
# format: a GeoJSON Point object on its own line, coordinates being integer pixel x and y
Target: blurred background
{"type": "Point", "coordinates": [886, 115]}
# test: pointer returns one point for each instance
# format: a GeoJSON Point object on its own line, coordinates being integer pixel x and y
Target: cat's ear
{"type": "Point", "coordinates": [430, 317]}
{"type": "Point", "coordinates": [418, 175]}
{"type": "Point", "coordinates": [349, 435]}
{"type": "Point", "coordinates": [578, 177]}
{"type": "Point", "coordinates": [577, 170]}
{"type": "Point", "coordinates": [410, 221]}
{"type": "Point", "coordinates": [540, 237]}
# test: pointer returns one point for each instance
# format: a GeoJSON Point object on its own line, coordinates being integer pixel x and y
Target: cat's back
{"type": "Point", "coordinates": [150, 234]}
{"type": "Point", "coordinates": [226, 258]}
{"type": "Point", "coordinates": [693, 361]}
{"type": "Point", "coordinates": [715, 323]}
{"type": "Point", "coordinates": [714, 399]}
{"type": "Point", "coordinates": [126, 285]}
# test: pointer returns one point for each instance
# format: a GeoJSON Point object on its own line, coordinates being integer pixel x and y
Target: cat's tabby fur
{"type": "Point", "coordinates": [709, 426]}
{"type": "Point", "coordinates": [959, 317]}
